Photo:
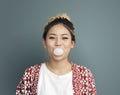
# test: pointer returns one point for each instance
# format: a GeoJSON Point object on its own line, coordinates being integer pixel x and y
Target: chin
{"type": "Point", "coordinates": [58, 58]}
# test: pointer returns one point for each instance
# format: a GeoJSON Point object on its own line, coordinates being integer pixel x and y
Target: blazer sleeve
{"type": "Point", "coordinates": [91, 83]}
{"type": "Point", "coordinates": [24, 86]}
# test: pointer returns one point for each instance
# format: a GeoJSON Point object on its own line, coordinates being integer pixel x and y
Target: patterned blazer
{"type": "Point", "coordinates": [82, 79]}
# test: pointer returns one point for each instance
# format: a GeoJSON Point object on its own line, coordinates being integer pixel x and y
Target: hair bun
{"type": "Point", "coordinates": [63, 15]}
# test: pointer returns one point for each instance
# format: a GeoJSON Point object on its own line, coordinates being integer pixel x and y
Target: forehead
{"type": "Point", "coordinates": [58, 29]}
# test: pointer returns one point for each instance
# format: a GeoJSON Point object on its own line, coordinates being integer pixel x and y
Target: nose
{"type": "Point", "coordinates": [58, 42]}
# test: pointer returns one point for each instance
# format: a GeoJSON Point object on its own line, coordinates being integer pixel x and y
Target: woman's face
{"type": "Point", "coordinates": [58, 37]}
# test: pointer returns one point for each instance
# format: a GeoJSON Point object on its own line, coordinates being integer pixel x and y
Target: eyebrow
{"type": "Point", "coordinates": [55, 34]}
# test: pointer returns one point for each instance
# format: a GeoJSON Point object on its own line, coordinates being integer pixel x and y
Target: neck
{"type": "Point", "coordinates": [59, 68]}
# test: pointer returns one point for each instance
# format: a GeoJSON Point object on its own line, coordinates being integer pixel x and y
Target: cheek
{"type": "Point", "coordinates": [68, 45]}
{"type": "Point", "coordinates": [49, 47]}
{"type": "Point", "coordinates": [49, 44]}
{"type": "Point", "coordinates": [67, 48]}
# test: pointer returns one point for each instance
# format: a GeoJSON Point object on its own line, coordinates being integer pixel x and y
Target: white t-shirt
{"type": "Point", "coordinates": [52, 84]}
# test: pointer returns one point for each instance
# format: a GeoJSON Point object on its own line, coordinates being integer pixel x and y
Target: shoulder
{"type": "Point", "coordinates": [33, 69]}
{"type": "Point", "coordinates": [81, 69]}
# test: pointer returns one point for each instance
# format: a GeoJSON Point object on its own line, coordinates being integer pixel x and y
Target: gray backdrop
{"type": "Point", "coordinates": [97, 26]}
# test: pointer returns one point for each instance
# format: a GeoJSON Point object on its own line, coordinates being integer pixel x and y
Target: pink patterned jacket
{"type": "Point", "coordinates": [83, 81]}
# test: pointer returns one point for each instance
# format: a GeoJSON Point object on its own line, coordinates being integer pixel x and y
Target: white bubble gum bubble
{"type": "Point", "coordinates": [58, 51]}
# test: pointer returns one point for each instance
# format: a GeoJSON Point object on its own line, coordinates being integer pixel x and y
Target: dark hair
{"type": "Point", "coordinates": [66, 23]}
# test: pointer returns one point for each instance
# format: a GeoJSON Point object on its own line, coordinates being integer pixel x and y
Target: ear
{"type": "Point", "coordinates": [72, 44]}
{"type": "Point", "coordinates": [44, 43]}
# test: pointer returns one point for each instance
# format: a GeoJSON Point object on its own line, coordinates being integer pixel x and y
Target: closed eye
{"type": "Point", "coordinates": [64, 38]}
{"type": "Point", "coordinates": [51, 37]}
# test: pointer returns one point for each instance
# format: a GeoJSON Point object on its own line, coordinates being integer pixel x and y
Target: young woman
{"type": "Point", "coordinates": [58, 76]}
